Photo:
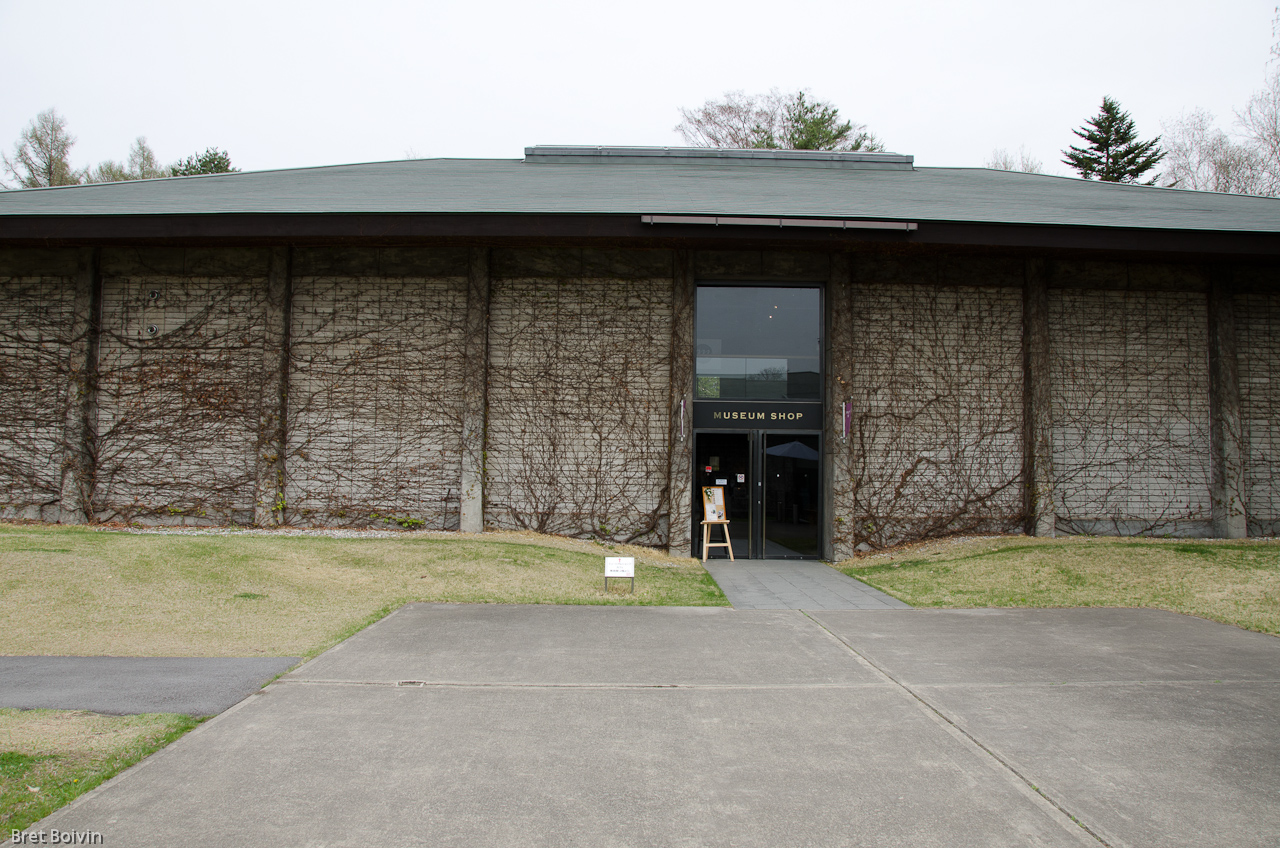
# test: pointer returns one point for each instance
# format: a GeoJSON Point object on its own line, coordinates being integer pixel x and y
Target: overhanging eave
{"type": "Point", "coordinates": [254, 228]}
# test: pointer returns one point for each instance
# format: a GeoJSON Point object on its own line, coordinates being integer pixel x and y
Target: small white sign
{"type": "Point", "coordinates": [742, 478]}
{"type": "Point", "coordinates": [619, 566]}
{"type": "Point", "coordinates": [723, 482]}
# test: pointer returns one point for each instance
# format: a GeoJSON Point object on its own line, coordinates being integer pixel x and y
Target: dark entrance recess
{"type": "Point", "coordinates": [757, 405]}
{"type": "Point", "coordinates": [772, 491]}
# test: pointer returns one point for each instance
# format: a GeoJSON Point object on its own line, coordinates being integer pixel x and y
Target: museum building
{"type": "Point", "coordinates": [859, 351]}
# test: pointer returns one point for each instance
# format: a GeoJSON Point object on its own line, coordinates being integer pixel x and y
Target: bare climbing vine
{"type": "Point", "coordinates": [935, 445]}
{"type": "Point", "coordinates": [375, 401]}
{"type": "Point", "coordinates": [1130, 411]}
{"type": "Point", "coordinates": [579, 383]}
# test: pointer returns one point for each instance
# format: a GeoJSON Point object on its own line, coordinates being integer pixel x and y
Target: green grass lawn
{"type": "Point", "coordinates": [1236, 582]}
{"type": "Point", "coordinates": [48, 757]}
{"type": "Point", "coordinates": [80, 592]}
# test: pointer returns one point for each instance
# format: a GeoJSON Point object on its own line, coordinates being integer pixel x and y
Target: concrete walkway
{"type": "Point", "coordinates": [129, 685]}
{"type": "Point", "coordinates": [493, 725]}
{"type": "Point", "coordinates": [778, 584]}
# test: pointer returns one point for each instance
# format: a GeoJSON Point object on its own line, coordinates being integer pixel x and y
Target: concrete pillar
{"type": "Point", "coordinates": [680, 469]}
{"type": "Point", "coordinates": [1226, 430]}
{"type": "Point", "coordinates": [80, 432]}
{"type": "Point", "coordinates": [1037, 398]}
{"type": "Point", "coordinates": [838, 329]}
{"type": "Point", "coordinates": [475, 393]}
{"type": "Point", "coordinates": [269, 501]}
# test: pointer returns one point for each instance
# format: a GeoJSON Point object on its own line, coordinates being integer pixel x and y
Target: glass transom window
{"type": "Point", "coordinates": [759, 343]}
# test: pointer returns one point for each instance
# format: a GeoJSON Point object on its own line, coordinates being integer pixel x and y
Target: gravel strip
{"type": "Point", "coordinates": [326, 532]}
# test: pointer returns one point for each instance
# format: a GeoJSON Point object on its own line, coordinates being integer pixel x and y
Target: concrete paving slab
{"type": "Point", "coordinates": [131, 685]}
{"type": "Point", "coordinates": [331, 765]}
{"type": "Point", "coordinates": [1151, 727]}
{"type": "Point", "coordinates": [1151, 764]}
{"type": "Point", "coordinates": [549, 645]}
{"type": "Point", "coordinates": [1056, 646]}
{"type": "Point", "coordinates": [822, 728]}
{"type": "Point", "coordinates": [794, 584]}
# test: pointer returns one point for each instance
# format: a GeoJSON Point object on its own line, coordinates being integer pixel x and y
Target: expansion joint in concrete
{"type": "Point", "coordinates": [619, 687]}
{"type": "Point", "coordinates": [1069, 821]}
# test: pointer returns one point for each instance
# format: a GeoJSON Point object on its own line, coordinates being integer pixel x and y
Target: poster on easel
{"type": "Point", "coordinates": [713, 504]}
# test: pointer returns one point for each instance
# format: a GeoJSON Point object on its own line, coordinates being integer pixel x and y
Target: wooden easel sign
{"type": "Point", "coordinates": [713, 504]}
{"type": "Point", "coordinates": [714, 515]}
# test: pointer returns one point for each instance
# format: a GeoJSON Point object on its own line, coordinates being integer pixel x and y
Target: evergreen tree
{"type": "Point", "coordinates": [212, 161]}
{"type": "Point", "coordinates": [774, 120]}
{"type": "Point", "coordinates": [810, 125]}
{"type": "Point", "coordinates": [1114, 154]}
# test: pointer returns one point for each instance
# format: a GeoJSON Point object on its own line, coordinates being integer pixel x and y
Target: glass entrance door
{"type": "Point", "coordinates": [791, 496]}
{"type": "Point", "coordinates": [724, 459]}
{"type": "Point", "coordinates": [772, 483]}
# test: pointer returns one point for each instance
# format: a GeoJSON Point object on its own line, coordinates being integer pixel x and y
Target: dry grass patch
{"type": "Point", "coordinates": [48, 757]}
{"type": "Point", "coordinates": [83, 592]}
{"type": "Point", "coordinates": [1232, 581]}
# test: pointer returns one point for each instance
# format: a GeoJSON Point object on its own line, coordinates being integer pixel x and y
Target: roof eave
{"type": "Point", "coordinates": [278, 228]}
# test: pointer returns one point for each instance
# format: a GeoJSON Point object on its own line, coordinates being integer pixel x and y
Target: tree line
{"type": "Point", "coordinates": [1193, 152]}
{"type": "Point", "coordinates": [42, 157]}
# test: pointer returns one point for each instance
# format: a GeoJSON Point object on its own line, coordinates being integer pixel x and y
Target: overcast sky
{"type": "Point", "coordinates": [286, 84]}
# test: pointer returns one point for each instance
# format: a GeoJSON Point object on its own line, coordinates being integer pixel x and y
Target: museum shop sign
{"type": "Point", "coordinates": [756, 415]}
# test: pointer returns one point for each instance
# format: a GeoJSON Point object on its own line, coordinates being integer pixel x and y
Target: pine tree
{"type": "Point", "coordinates": [212, 161]}
{"type": "Point", "coordinates": [813, 125]}
{"type": "Point", "coordinates": [773, 120]}
{"type": "Point", "coordinates": [1114, 154]}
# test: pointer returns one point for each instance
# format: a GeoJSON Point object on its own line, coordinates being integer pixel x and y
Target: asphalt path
{"type": "Point", "coordinates": [478, 725]}
{"type": "Point", "coordinates": [200, 686]}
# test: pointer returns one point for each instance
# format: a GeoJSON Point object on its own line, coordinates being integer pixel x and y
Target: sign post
{"type": "Point", "coordinates": [620, 568]}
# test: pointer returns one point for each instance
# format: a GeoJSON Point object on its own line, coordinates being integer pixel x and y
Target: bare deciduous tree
{"type": "Point", "coordinates": [40, 158]}
{"type": "Point", "coordinates": [1259, 122]}
{"type": "Point", "coordinates": [1003, 160]}
{"type": "Point", "coordinates": [141, 165]}
{"type": "Point", "coordinates": [1204, 158]}
{"type": "Point", "coordinates": [730, 122]}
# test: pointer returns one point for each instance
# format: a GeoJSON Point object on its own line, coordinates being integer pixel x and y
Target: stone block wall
{"type": "Point", "coordinates": [38, 339]}
{"type": "Point", "coordinates": [1258, 342]}
{"type": "Point", "coordinates": [374, 417]}
{"type": "Point", "coordinates": [933, 373]}
{"type": "Point", "coordinates": [579, 384]}
{"type": "Point", "coordinates": [360, 356]}
{"type": "Point", "coordinates": [179, 385]}
{"type": "Point", "coordinates": [1130, 389]}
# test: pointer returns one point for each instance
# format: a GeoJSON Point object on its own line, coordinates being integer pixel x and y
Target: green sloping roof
{"type": "Point", "coordinates": [469, 186]}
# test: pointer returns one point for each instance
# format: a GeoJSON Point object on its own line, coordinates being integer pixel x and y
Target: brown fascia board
{"type": "Point", "coordinates": [408, 228]}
